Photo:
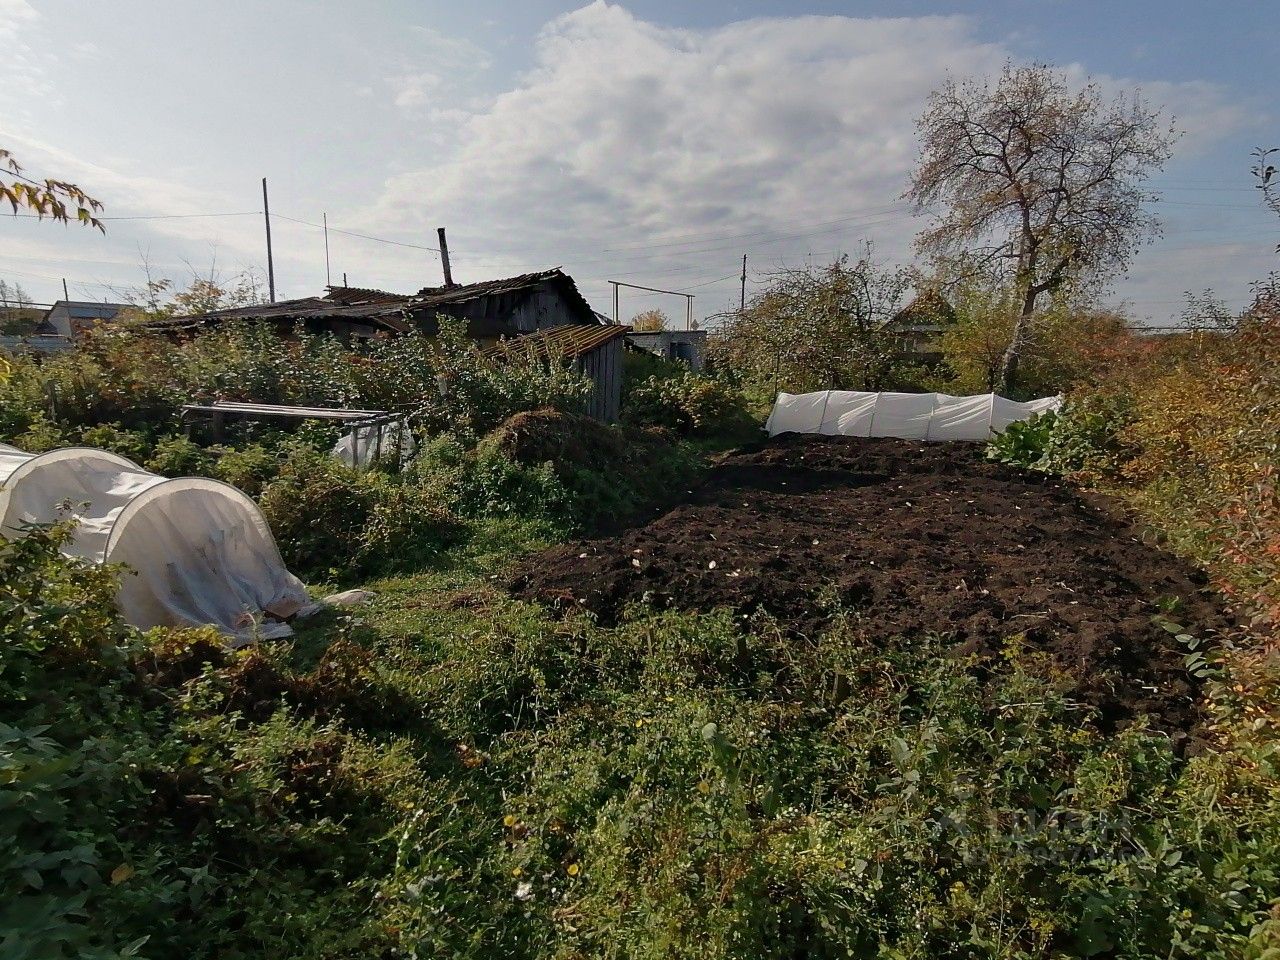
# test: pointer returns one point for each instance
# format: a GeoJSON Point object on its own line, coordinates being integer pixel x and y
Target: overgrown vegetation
{"type": "Point", "coordinates": [454, 775]}
{"type": "Point", "coordinates": [1187, 429]}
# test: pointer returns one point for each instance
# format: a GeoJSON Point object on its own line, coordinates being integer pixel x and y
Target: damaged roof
{"type": "Point", "coordinates": [568, 341]}
{"type": "Point", "coordinates": [397, 312]}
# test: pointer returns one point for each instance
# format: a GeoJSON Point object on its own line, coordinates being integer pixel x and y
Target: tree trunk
{"type": "Point", "coordinates": [1009, 366]}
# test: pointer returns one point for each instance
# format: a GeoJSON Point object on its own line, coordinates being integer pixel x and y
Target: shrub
{"type": "Point", "coordinates": [41, 434]}
{"type": "Point", "coordinates": [340, 522]}
{"type": "Point", "coordinates": [688, 403]}
{"type": "Point", "coordinates": [135, 445]}
{"type": "Point", "coordinates": [1087, 440]}
{"type": "Point", "coordinates": [22, 397]}
{"type": "Point", "coordinates": [249, 468]}
{"type": "Point", "coordinates": [176, 456]}
{"type": "Point", "coordinates": [1024, 443]}
{"type": "Point", "coordinates": [592, 474]}
{"type": "Point", "coordinates": [472, 393]}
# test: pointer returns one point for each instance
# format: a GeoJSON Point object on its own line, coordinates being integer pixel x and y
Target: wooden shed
{"type": "Point", "coordinates": [594, 352]}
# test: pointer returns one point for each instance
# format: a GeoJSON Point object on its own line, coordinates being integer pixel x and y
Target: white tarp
{"type": "Point", "coordinates": [198, 551]}
{"type": "Point", "coordinates": [363, 445]}
{"type": "Point", "coordinates": [908, 416]}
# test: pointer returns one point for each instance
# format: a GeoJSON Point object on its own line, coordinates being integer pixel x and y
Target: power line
{"type": "Point", "coordinates": [154, 216]}
{"type": "Point", "coordinates": [352, 233]}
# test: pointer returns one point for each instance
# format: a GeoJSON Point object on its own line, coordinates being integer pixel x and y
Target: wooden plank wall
{"type": "Point", "coordinates": [603, 367]}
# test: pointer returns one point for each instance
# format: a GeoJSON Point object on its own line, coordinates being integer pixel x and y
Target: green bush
{"type": "Point", "coordinates": [331, 520]}
{"type": "Point", "coordinates": [176, 456]}
{"type": "Point", "coordinates": [1024, 442]}
{"type": "Point", "coordinates": [249, 468]}
{"type": "Point", "coordinates": [1088, 438]}
{"type": "Point", "coordinates": [135, 445]}
{"type": "Point", "coordinates": [689, 403]}
{"type": "Point", "coordinates": [41, 434]}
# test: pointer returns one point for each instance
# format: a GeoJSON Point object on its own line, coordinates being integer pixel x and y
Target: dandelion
{"type": "Point", "coordinates": [572, 870]}
{"type": "Point", "coordinates": [516, 872]}
{"type": "Point", "coordinates": [509, 820]}
{"type": "Point", "coordinates": [704, 787]}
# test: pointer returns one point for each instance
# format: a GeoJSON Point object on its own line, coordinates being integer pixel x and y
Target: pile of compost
{"type": "Point", "coordinates": [910, 538]}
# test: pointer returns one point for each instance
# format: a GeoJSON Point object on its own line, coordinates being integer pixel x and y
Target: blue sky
{"type": "Point", "coordinates": [654, 142]}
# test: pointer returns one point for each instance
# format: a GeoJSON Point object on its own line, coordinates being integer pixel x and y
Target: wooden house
{"type": "Point", "coordinates": [544, 308]}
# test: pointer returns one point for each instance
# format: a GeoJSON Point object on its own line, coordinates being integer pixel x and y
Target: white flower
{"type": "Point", "coordinates": [524, 891]}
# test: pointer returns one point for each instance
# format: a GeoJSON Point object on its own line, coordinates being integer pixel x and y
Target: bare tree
{"type": "Point", "coordinates": [1037, 177]}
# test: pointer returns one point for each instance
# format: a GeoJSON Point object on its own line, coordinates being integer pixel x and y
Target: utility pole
{"type": "Point", "coordinates": [444, 257]}
{"type": "Point", "coordinates": [271, 267]}
{"type": "Point", "coordinates": [742, 302]}
{"type": "Point", "coordinates": [65, 295]}
{"type": "Point", "coordinates": [327, 281]}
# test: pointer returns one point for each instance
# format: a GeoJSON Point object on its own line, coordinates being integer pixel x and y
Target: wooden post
{"type": "Point", "coordinates": [742, 300]}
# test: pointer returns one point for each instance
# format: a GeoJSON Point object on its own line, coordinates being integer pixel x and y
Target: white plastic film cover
{"type": "Point", "coordinates": [908, 416]}
{"type": "Point", "coordinates": [961, 418]}
{"type": "Point", "coordinates": [363, 445]}
{"type": "Point", "coordinates": [796, 413]}
{"type": "Point", "coordinates": [904, 415]}
{"type": "Point", "coordinates": [848, 413]}
{"type": "Point", "coordinates": [199, 551]}
{"type": "Point", "coordinates": [88, 484]}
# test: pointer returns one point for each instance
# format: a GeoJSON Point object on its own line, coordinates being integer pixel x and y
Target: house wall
{"type": "Point", "coordinates": [681, 346]}
{"type": "Point", "coordinates": [513, 313]}
{"type": "Point", "coordinates": [68, 319]}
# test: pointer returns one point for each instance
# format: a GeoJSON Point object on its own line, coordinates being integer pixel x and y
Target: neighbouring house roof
{"type": "Point", "coordinates": [398, 312]}
{"type": "Point", "coordinates": [929, 312]}
{"type": "Point", "coordinates": [88, 309]}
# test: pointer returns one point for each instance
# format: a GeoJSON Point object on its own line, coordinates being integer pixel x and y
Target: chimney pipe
{"type": "Point", "coordinates": [444, 257]}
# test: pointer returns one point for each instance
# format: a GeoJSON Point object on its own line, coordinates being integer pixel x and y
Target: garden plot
{"type": "Point", "coordinates": [910, 538]}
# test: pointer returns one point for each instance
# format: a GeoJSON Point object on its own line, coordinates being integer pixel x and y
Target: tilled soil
{"type": "Point", "coordinates": [913, 538]}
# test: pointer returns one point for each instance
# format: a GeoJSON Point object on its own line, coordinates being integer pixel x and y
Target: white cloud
{"type": "Point", "coordinates": [14, 14]}
{"type": "Point", "coordinates": [627, 139]}
{"type": "Point", "coordinates": [626, 132]}
{"type": "Point", "coordinates": [413, 89]}
{"type": "Point", "coordinates": [25, 65]}
{"type": "Point", "coordinates": [440, 65]}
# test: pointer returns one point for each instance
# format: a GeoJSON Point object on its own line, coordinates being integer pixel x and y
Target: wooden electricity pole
{"type": "Point", "coordinates": [742, 302]}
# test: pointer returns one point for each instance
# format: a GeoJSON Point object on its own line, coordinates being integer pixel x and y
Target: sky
{"type": "Point", "coordinates": [651, 142]}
